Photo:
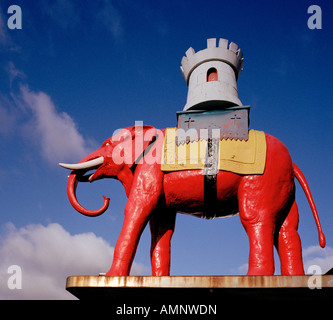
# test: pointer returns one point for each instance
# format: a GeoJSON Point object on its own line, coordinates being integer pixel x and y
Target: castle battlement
{"type": "Point", "coordinates": [229, 54]}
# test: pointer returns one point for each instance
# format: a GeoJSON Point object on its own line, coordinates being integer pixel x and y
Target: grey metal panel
{"type": "Point", "coordinates": [231, 123]}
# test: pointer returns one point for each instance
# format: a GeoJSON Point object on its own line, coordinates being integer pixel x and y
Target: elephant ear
{"type": "Point", "coordinates": [142, 137]}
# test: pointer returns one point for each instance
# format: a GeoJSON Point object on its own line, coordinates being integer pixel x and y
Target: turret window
{"type": "Point", "coordinates": [212, 75]}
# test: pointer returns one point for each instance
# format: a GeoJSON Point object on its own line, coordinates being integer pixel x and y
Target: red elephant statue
{"type": "Point", "coordinates": [265, 202]}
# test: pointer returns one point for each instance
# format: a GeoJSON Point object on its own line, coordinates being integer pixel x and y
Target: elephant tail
{"type": "Point", "coordinates": [301, 179]}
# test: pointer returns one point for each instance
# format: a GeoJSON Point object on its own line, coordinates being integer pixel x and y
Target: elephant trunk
{"type": "Point", "coordinates": [71, 192]}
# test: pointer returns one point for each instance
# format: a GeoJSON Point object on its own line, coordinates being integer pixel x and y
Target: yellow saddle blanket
{"type": "Point", "coordinates": [238, 156]}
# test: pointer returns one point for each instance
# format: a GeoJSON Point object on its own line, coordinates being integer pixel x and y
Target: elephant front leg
{"type": "Point", "coordinates": [162, 225]}
{"type": "Point", "coordinates": [127, 242]}
{"type": "Point", "coordinates": [143, 200]}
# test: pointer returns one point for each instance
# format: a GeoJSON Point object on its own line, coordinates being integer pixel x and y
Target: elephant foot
{"type": "Point", "coordinates": [260, 272]}
{"type": "Point", "coordinates": [118, 270]}
{"type": "Point", "coordinates": [111, 273]}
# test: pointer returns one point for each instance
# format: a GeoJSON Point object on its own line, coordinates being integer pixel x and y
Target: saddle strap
{"type": "Point", "coordinates": [210, 173]}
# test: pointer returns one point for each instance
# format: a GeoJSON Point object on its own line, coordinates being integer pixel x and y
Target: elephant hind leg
{"type": "Point", "coordinates": [261, 255]}
{"type": "Point", "coordinates": [260, 230]}
{"type": "Point", "coordinates": [162, 225]}
{"type": "Point", "coordinates": [288, 244]}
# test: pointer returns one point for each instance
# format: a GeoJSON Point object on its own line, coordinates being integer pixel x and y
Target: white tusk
{"type": "Point", "coordinates": [84, 165]}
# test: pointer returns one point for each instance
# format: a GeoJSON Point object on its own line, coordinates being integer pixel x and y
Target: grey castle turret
{"type": "Point", "coordinates": [211, 76]}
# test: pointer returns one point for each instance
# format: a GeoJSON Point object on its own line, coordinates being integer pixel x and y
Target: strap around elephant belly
{"type": "Point", "coordinates": [210, 173]}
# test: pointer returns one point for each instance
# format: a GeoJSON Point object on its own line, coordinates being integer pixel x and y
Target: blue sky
{"type": "Point", "coordinates": [79, 70]}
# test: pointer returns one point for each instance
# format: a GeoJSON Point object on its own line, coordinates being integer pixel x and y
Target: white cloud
{"type": "Point", "coordinates": [243, 269]}
{"type": "Point", "coordinates": [55, 132]}
{"type": "Point", "coordinates": [315, 255]}
{"type": "Point", "coordinates": [47, 255]}
{"type": "Point", "coordinates": [14, 73]}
